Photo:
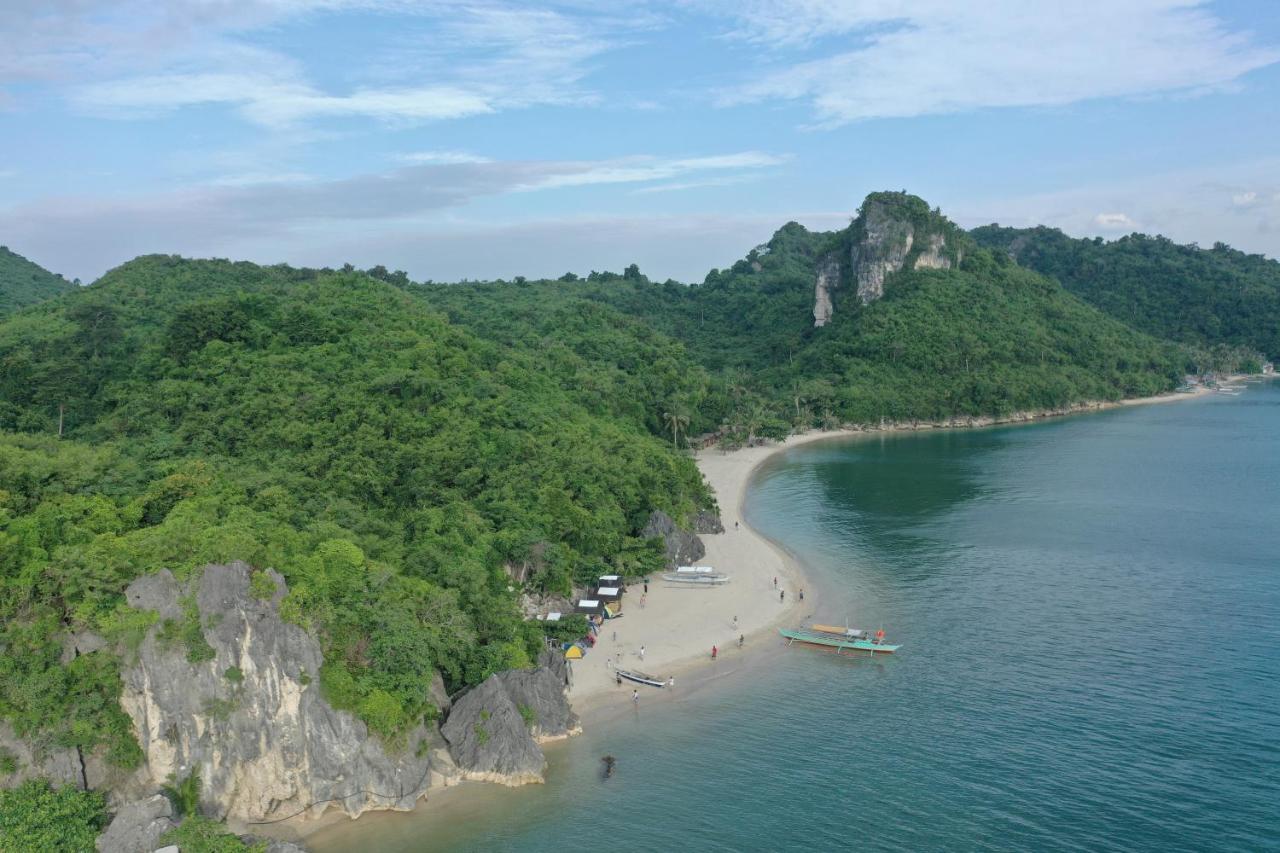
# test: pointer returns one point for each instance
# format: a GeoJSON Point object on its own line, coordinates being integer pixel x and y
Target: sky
{"type": "Point", "coordinates": [485, 139]}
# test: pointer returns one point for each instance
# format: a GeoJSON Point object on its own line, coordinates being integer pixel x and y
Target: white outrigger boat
{"type": "Point", "coordinates": [696, 576]}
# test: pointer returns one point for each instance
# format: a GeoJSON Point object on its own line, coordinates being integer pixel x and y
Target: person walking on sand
{"type": "Point", "coordinates": [802, 593]}
{"type": "Point", "coordinates": [775, 581]}
{"type": "Point", "coordinates": [735, 525]}
{"type": "Point", "coordinates": [741, 639]}
{"type": "Point", "coordinates": [671, 682]}
{"type": "Point", "coordinates": [646, 587]}
{"type": "Point", "coordinates": [642, 653]}
{"type": "Point", "coordinates": [642, 599]}
{"type": "Point", "coordinates": [782, 595]}
{"type": "Point", "coordinates": [714, 650]}
{"type": "Point", "coordinates": [635, 697]}
{"type": "Point", "coordinates": [735, 622]}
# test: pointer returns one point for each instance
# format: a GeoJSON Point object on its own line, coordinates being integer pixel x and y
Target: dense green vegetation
{"type": "Point", "coordinates": [24, 283]}
{"type": "Point", "coordinates": [987, 338]}
{"type": "Point", "coordinates": [38, 818]}
{"type": "Point", "coordinates": [1184, 293]}
{"type": "Point", "coordinates": [327, 425]}
{"type": "Point", "coordinates": [198, 834]}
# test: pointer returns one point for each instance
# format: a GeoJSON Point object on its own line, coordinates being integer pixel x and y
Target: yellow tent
{"type": "Point", "coordinates": [574, 652]}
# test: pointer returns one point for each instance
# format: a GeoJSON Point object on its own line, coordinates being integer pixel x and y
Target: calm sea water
{"type": "Point", "coordinates": [1091, 613]}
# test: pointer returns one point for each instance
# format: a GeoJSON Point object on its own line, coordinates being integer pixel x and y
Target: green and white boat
{"type": "Point", "coordinates": [840, 640]}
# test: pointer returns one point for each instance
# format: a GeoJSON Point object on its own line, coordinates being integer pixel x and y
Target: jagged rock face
{"type": "Point", "coordinates": [932, 257]}
{"type": "Point", "coordinates": [494, 729]}
{"type": "Point", "coordinates": [138, 827]}
{"type": "Point", "coordinates": [828, 279]}
{"type": "Point", "coordinates": [707, 521]}
{"type": "Point", "coordinates": [885, 244]}
{"type": "Point", "coordinates": [268, 745]}
{"type": "Point", "coordinates": [682, 547]}
{"type": "Point", "coordinates": [882, 250]}
{"type": "Point", "coordinates": [60, 765]}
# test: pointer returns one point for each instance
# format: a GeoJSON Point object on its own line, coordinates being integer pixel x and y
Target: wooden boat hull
{"type": "Point", "coordinates": [838, 645]}
{"type": "Point", "coordinates": [697, 580]}
{"type": "Point", "coordinates": [641, 678]}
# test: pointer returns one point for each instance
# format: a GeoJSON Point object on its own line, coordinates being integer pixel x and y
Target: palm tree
{"type": "Point", "coordinates": [677, 421]}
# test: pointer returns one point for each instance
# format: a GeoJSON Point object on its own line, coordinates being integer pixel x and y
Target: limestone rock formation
{"type": "Point", "coordinates": [252, 719]}
{"type": "Point", "coordinates": [682, 547]}
{"type": "Point", "coordinates": [828, 280]}
{"type": "Point", "coordinates": [138, 826]}
{"type": "Point", "coordinates": [494, 729]}
{"type": "Point", "coordinates": [707, 521]}
{"type": "Point", "coordinates": [893, 231]}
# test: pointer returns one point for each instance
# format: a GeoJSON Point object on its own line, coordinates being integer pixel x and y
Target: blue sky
{"type": "Point", "coordinates": [488, 139]}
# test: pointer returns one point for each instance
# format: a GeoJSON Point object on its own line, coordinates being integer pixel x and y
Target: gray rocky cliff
{"type": "Point", "coordinates": [828, 279]}
{"type": "Point", "coordinates": [882, 242]}
{"type": "Point", "coordinates": [494, 729]}
{"type": "Point", "coordinates": [682, 547]}
{"type": "Point", "coordinates": [138, 826]}
{"type": "Point", "coordinates": [252, 719]}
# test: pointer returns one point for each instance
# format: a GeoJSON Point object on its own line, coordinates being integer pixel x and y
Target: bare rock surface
{"type": "Point", "coordinates": [494, 729]}
{"type": "Point", "coordinates": [682, 547]}
{"type": "Point", "coordinates": [138, 826]}
{"type": "Point", "coordinates": [252, 720]}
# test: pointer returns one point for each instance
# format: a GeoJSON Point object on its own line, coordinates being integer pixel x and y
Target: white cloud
{"type": "Point", "coordinates": [446, 59]}
{"type": "Point", "coordinates": [442, 157]}
{"type": "Point", "coordinates": [1114, 221]}
{"type": "Point", "coordinates": [916, 57]}
{"type": "Point", "coordinates": [1186, 206]}
{"type": "Point", "coordinates": [1245, 198]}
{"type": "Point", "coordinates": [641, 169]}
{"type": "Point", "coordinates": [222, 219]}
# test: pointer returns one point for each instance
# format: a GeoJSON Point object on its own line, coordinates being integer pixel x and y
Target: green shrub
{"type": "Point", "coordinates": [37, 818]}
{"type": "Point", "coordinates": [233, 674]}
{"type": "Point", "coordinates": [530, 715]}
{"type": "Point", "coordinates": [199, 834]}
{"type": "Point", "coordinates": [184, 793]}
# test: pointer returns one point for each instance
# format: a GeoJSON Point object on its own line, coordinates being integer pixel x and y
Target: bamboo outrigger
{"type": "Point", "coordinates": [840, 639]}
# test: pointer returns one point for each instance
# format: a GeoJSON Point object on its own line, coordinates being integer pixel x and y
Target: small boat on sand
{"type": "Point", "coordinates": [702, 579]}
{"type": "Point", "coordinates": [840, 640]}
{"type": "Point", "coordinates": [641, 678]}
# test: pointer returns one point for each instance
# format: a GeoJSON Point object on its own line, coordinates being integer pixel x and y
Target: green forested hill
{"type": "Point", "coordinates": [1183, 293]}
{"type": "Point", "coordinates": [24, 283]}
{"type": "Point", "coordinates": [328, 425]}
{"type": "Point", "coordinates": [986, 338]}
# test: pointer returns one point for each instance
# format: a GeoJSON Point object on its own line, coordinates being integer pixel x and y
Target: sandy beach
{"type": "Point", "coordinates": [678, 626]}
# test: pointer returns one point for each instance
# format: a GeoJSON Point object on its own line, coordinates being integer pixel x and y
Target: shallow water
{"type": "Point", "coordinates": [1090, 609]}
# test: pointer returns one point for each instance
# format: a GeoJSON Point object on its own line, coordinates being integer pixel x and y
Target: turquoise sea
{"type": "Point", "coordinates": [1091, 615]}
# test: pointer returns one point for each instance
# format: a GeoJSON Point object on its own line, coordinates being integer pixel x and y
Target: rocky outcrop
{"type": "Point", "coordinates": [682, 547]}
{"type": "Point", "coordinates": [494, 729]}
{"type": "Point", "coordinates": [893, 232]}
{"type": "Point", "coordinates": [252, 720]}
{"type": "Point", "coordinates": [886, 241]}
{"type": "Point", "coordinates": [707, 522]}
{"type": "Point", "coordinates": [138, 826]}
{"type": "Point", "coordinates": [828, 279]}
{"type": "Point", "coordinates": [60, 765]}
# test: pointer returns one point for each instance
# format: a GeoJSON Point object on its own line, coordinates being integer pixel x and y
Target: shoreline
{"type": "Point", "coordinates": [598, 699]}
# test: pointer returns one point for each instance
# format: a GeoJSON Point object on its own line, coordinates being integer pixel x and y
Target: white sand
{"type": "Point", "coordinates": [679, 625]}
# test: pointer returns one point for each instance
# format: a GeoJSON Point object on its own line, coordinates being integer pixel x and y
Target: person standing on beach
{"type": "Point", "coordinates": [741, 639]}
{"type": "Point", "coordinates": [775, 581]}
{"type": "Point", "coordinates": [714, 650]}
{"type": "Point", "coordinates": [635, 697]}
{"type": "Point", "coordinates": [671, 682]}
{"type": "Point", "coordinates": [642, 653]}
{"type": "Point", "coordinates": [735, 525]}
{"type": "Point", "coordinates": [735, 622]}
{"type": "Point", "coordinates": [802, 593]}
{"type": "Point", "coordinates": [646, 587]}
{"type": "Point", "coordinates": [782, 595]}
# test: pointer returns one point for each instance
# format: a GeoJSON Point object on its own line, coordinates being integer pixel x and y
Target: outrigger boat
{"type": "Point", "coordinates": [699, 579]}
{"type": "Point", "coordinates": [641, 678]}
{"type": "Point", "coordinates": [840, 639]}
